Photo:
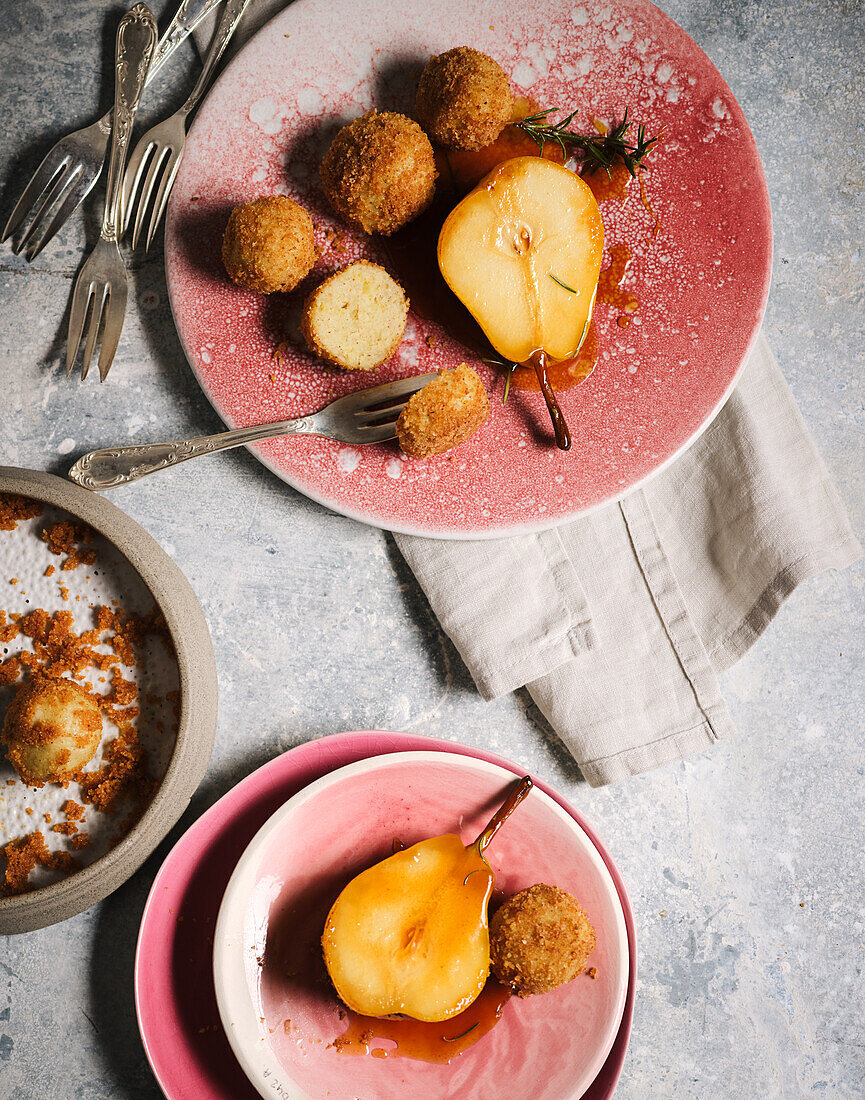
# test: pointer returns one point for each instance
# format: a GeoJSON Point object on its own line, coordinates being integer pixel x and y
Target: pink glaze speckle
{"type": "Point", "coordinates": [175, 1002]}
{"type": "Point", "coordinates": [702, 282]}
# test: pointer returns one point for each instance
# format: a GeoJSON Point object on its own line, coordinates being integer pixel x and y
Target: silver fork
{"type": "Point", "coordinates": [102, 279]}
{"type": "Point", "coordinates": [366, 416]}
{"type": "Point", "coordinates": [160, 150]}
{"type": "Point", "coordinates": [71, 168]}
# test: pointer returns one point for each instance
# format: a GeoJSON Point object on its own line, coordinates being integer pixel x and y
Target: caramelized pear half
{"type": "Point", "coordinates": [522, 252]}
{"type": "Point", "coordinates": [410, 935]}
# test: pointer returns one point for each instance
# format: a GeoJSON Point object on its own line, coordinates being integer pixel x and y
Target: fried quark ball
{"type": "Point", "coordinates": [52, 729]}
{"type": "Point", "coordinates": [539, 939]}
{"type": "Point", "coordinates": [268, 244]}
{"type": "Point", "coordinates": [443, 414]}
{"type": "Point", "coordinates": [355, 319]}
{"type": "Point", "coordinates": [464, 99]}
{"type": "Point", "coordinates": [379, 172]}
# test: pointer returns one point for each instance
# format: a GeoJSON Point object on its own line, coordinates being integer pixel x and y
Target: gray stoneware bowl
{"type": "Point", "coordinates": [197, 724]}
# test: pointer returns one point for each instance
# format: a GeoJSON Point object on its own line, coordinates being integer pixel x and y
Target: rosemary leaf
{"type": "Point", "coordinates": [599, 151]}
{"type": "Point", "coordinates": [457, 1037]}
{"type": "Point", "coordinates": [565, 286]}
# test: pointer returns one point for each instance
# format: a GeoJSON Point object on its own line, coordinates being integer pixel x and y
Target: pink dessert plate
{"type": "Point", "coordinates": [175, 998]}
{"type": "Point", "coordinates": [282, 1023]}
{"type": "Point", "coordinates": [663, 372]}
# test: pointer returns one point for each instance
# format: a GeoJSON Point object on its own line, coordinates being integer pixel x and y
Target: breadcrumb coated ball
{"type": "Point", "coordinates": [539, 939]}
{"type": "Point", "coordinates": [52, 729]}
{"type": "Point", "coordinates": [379, 172]}
{"type": "Point", "coordinates": [464, 99]}
{"type": "Point", "coordinates": [443, 414]}
{"type": "Point", "coordinates": [268, 244]}
{"type": "Point", "coordinates": [355, 319]}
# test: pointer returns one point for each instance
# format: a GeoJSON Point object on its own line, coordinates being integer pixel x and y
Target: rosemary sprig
{"type": "Point", "coordinates": [509, 367]}
{"type": "Point", "coordinates": [599, 150]}
{"type": "Point", "coordinates": [468, 1031]}
{"type": "Point", "coordinates": [565, 286]}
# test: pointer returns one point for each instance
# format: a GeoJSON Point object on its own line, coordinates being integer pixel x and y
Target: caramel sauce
{"type": "Point", "coordinates": [604, 187]}
{"type": "Point", "coordinates": [423, 1041]}
{"type": "Point", "coordinates": [566, 373]}
{"type": "Point", "coordinates": [609, 289]}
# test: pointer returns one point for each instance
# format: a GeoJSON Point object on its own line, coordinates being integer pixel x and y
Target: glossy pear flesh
{"type": "Point", "coordinates": [527, 221]}
{"type": "Point", "coordinates": [410, 934]}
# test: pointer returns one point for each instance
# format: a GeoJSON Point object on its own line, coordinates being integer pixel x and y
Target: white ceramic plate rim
{"type": "Point", "coordinates": [238, 1014]}
{"type": "Point", "coordinates": [449, 533]}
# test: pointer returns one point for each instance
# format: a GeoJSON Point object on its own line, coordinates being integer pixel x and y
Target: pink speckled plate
{"type": "Point", "coordinates": [702, 282]}
{"type": "Point", "coordinates": [175, 1000]}
{"type": "Point", "coordinates": [276, 902]}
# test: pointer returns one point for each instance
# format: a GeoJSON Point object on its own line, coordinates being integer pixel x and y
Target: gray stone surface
{"type": "Point", "coordinates": [744, 865]}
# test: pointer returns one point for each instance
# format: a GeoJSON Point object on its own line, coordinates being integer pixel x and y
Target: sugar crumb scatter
{"type": "Point", "coordinates": [115, 649]}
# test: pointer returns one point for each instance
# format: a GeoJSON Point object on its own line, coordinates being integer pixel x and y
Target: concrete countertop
{"type": "Point", "coordinates": [744, 864]}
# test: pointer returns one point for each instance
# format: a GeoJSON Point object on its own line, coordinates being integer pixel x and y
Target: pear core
{"type": "Point", "coordinates": [410, 934]}
{"type": "Point", "coordinates": [522, 252]}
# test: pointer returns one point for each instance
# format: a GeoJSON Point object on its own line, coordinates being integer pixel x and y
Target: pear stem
{"type": "Point", "coordinates": [504, 812]}
{"type": "Point", "coordinates": [538, 360]}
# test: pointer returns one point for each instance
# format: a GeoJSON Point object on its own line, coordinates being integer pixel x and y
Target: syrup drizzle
{"type": "Point", "coordinates": [609, 288]}
{"type": "Point", "coordinates": [566, 373]}
{"type": "Point", "coordinates": [420, 1040]}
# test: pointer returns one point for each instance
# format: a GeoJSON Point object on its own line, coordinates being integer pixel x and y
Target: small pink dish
{"type": "Point", "coordinates": [282, 1028]}
{"type": "Point", "coordinates": [175, 1001]}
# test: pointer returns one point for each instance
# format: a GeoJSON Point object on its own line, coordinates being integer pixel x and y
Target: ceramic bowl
{"type": "Point", "coordinates": [280, 1026]}
{"type": "Point", "coordinates": [197, 705]}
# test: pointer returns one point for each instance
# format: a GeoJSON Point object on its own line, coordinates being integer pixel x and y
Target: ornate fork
{"type": "Point", "coordinates": [71, 168]}
{"type": "Point", "coordinates": [159, 151]}
{"type": "Point", "coordinates": [102, 279]}
{"type": "Point", "coordinates": [367, 416]}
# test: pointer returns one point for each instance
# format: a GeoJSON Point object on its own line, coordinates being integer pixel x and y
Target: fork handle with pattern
{"type": "Point", "coordinates": [228, 20]}
{"type": "Point", "coordinates": [113, 466]}
{"type": "Point", "coordinates": [186, 19]}
{"type": "Point", "coordinates": [136, 44]}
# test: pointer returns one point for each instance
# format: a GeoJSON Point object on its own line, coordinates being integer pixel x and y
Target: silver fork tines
{"type": "Point", "coordinates": [100, 289]}
{"type": "Point", "coordinates": [156, 158]}
{"type": "Point", "coordinates": [62, 181]}
{"type": "Point", "coordinates": [100, 292]}
{"type": "Point", "coordinates": [158, 155]}
{"type": "Point", "coordinates": [70, 169]}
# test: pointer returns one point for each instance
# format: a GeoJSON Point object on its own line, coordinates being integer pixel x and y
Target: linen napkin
{"type": "Point", "coordinates": [625, 618]}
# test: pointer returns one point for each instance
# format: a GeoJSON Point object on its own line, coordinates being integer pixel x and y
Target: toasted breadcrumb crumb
{"type": "Point", "coordinates": [23, 854]}
{"type": "Point", "coordinates": [59, 653]}
{"type": "Point", "coordinates": [14, 509]}
{"type": "Point", "coordinates": [67, 537]}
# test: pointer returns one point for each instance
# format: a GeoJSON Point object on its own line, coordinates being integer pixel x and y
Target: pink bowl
{"type": "Point", "coordinates": [275, 905]}
{"type": "Point", "coordinates": [175, 1001]}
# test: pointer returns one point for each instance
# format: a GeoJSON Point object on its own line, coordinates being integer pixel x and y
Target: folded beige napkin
{"type": "Point", "coordinates": [628, 615]}
{"type": "Point", "coordinates": [618, 624]}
